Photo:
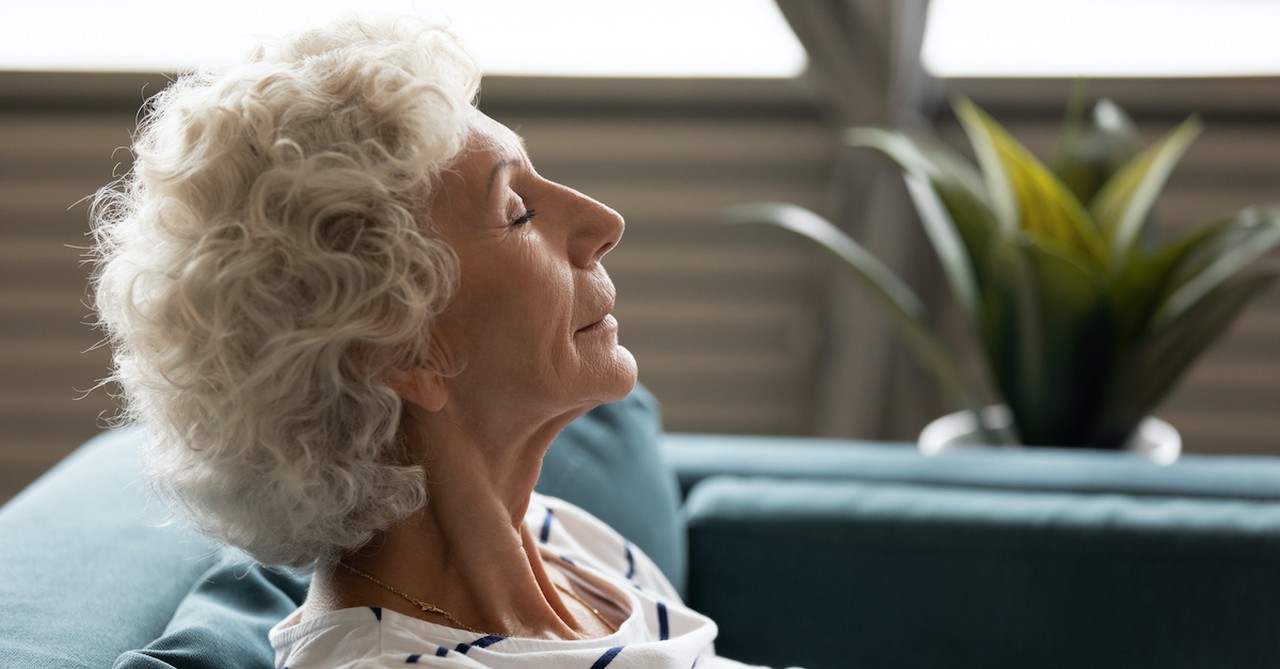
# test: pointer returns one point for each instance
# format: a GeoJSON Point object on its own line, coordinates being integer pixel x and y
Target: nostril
{"type": "Point", "coordinates": [607, 247]}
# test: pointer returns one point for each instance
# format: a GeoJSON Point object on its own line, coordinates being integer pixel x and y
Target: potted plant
{"type": "Point", "coordinates": [1084, 318]}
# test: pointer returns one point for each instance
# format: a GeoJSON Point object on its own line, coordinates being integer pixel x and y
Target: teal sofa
{"type": "Point", "coordinates": [809, 552]}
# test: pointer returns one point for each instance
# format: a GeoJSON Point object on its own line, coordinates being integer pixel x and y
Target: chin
{"type": "Point", "coordinates": [622, 376]}
{"type": "Point", "coordinates": [631, 373]}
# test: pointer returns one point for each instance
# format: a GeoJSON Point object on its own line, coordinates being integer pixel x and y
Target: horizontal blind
{"type": "Point", "coordinates": [49, 163]}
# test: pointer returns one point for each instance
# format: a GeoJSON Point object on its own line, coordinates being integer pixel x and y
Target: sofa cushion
{"type": "Point", "coordinates": [226, 615]}
{"type": "Point", "coordinates": [88, 570]}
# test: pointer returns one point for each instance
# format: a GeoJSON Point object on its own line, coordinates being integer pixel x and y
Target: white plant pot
{"type": "Point", "coordinates": [1154, 440]}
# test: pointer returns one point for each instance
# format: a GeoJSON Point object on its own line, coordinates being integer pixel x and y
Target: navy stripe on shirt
{"type": "Point", "coordinates": [631, 561]}
{"type": "Point", "coordinates": [545, 534]}
{"type": "Point", "coordinates": [664, 629]}
{"type": "Point", "coordinates": [488, 640]}
{"type": "Point", "coordinates": [482, 642]}
{"type": "Point", "coordinates": [607, 657]}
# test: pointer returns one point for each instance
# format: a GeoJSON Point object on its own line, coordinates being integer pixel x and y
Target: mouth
{"type": "Point", "coordinates": [604, 324]}
{"type": "Point", "coordinates": [606, 321]}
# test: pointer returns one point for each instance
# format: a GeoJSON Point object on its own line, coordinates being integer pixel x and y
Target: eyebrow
{"type": "Point", "coordinates": [493, 174]}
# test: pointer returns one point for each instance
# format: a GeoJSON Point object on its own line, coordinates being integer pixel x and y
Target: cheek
{"type": "Point", "coordinates": [541, 290]}
{"type": "Point", "coordinates": [528, 302]}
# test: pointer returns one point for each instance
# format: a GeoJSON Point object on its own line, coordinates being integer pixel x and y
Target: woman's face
{"type": "Point", "coordinates": [530, 323]}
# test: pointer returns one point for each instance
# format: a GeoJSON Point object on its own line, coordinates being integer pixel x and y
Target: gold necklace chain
{"type": "Point", "coordinates": [426, 608]}
{"type": "Point", "coordinates": [432, 608]}
{"type": "Point", "coordinates": [607, 623]}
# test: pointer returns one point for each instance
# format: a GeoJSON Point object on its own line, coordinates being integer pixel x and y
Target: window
{"type": "Point", "coordinates": [1102, 38]}
{"type": "Point", "coordinates": [656, 38]}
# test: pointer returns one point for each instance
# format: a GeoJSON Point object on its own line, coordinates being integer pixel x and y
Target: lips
{"type": "Point", "coordinates": [604, 320]}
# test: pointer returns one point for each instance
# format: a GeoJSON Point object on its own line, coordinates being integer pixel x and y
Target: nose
{"type": "Point", "coordinates": [596, 229]}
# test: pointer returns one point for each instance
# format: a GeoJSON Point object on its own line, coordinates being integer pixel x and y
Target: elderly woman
{"type": "Point", "coordinates": [355, 316]}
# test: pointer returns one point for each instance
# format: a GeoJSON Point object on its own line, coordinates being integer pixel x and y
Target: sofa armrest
{"type": "Point", "coordinates": [854, 574]}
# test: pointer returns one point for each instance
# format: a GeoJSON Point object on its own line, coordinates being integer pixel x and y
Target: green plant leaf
{"type": "Point", "coordinates": [1011, 329]}
{"type": "Point", "coordinates": [1049, 340]}
{"type": "Point", "coordinates": [1145, 282]}
{"type": "Point", "coordinates": [908, 313]}
{"type": "Point", "coordinates": [1248, 236]}
{"type": "Point", "coordinates": [1090, 153]}
{"type": "Point", "coordinates": [1025, 195]}
{"type": "Point", "coordinates": [1000, 190]}
{"type": "Point", "coordinates": [960, 231]}
{"type": "Point", "coordinates": [1073, 128]}
{"type": "Point", "coordinates": [1145, 376]}
{"type": "Point", "coordinates": [1124, 203]}
{"type": "Point", "coordinates": [923, 157]}
{"type": "Point", "coordinates": [956, 264]}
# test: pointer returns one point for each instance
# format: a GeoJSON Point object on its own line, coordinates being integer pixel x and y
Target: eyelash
{"type": "Point", "coordinates": [524, 218]}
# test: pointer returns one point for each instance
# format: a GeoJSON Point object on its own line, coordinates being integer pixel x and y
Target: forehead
{"type": "Point", "coordinates": [490, 140]}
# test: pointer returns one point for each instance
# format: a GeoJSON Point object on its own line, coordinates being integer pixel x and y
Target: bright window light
{"type": "Point", "coordinates": [655, 38]}
{"type": "Point", "coordinates": [1102, 38]}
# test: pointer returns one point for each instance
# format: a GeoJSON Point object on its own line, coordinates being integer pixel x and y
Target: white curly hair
{"type": "Point", "coordinates": [264, 264]}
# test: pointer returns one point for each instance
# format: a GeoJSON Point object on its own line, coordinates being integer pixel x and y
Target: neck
{"type": "Point", "coordinates": [467, 551]}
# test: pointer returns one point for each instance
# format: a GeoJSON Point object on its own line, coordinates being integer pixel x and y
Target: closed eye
{"type": "Point", "coordinates": [524, 218]}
